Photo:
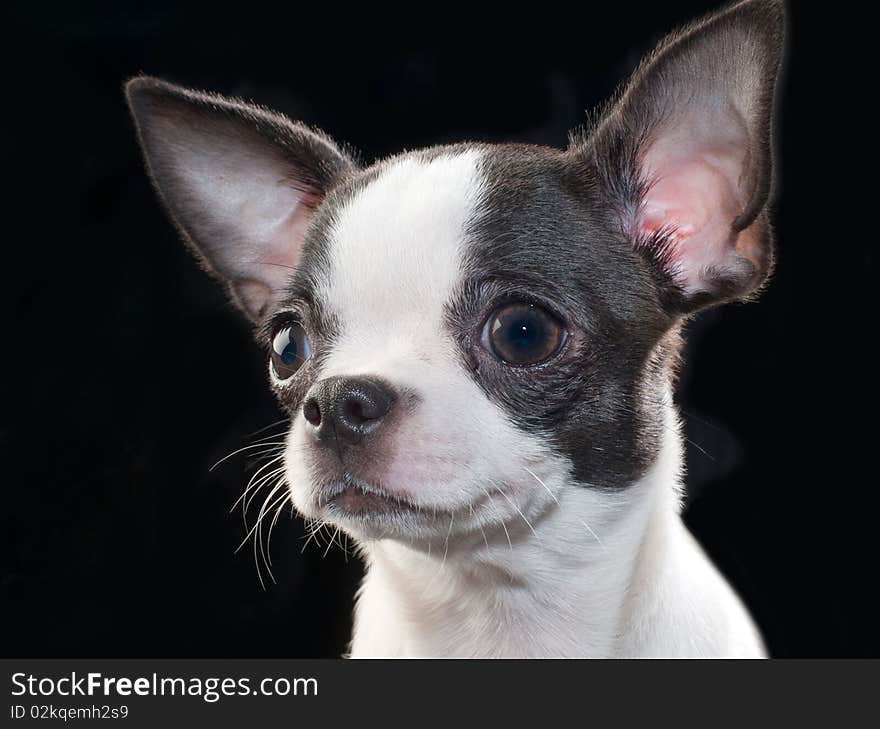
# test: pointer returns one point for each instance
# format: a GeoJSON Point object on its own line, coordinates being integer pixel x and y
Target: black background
{"type": "Point", "coordinates": [126, 374]}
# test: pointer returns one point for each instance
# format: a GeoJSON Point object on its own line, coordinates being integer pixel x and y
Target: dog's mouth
{"type": "Point", "coordinates": [370, 510]}
{"type": "Point", "coordinates": [354, 497]}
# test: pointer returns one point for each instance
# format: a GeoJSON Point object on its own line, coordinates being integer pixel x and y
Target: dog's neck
{"type": "Point", "coordinates": [564, 584]}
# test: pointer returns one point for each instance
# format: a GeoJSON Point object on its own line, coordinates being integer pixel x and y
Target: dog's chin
{"type": "Point", "coordinates": [370, 511]}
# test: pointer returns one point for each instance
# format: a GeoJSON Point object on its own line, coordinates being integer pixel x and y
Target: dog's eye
{"type": "Point", "coordinates": [523, 334]}
{"type": "Point", "coordinates": [290, 348]}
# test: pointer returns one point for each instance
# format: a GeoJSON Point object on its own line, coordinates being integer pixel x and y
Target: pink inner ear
{"type": "Point", "coordinates": [282, 241]}
{"type": "Point", "coordinates": [694, 197]}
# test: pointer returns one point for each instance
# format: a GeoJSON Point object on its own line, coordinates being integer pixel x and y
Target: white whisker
{"type": "Point", "coordinates": [553, 496]}
{"type": "Point", "coordinates": [244, 448]}
{"type": "Point", "coordinates": [330, 544]}
{"type": "Point", "coordinates": [516, 508]}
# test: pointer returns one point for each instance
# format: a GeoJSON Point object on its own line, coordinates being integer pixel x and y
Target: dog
{"type": "Point", "coordinates": [477, 344]}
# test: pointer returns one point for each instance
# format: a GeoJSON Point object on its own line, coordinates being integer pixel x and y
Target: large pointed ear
{"type": "Point", "coordinates": [240, 182]}
{"type": "Point", "coordinates": [685, 154]}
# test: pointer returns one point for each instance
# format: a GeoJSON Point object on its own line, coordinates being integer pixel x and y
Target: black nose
{"type": "Point", "coordinates": [347, 407]}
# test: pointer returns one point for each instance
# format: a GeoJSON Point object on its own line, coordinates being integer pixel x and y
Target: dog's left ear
{"type": "Point", "coordinates": [685, 155]}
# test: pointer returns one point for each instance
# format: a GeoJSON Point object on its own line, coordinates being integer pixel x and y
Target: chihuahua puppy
{"type": "Point", "coordinates": [477, 344]}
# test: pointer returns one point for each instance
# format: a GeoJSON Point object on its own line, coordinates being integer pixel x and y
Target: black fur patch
{"type": "Point", "coordinates": [542, 234]}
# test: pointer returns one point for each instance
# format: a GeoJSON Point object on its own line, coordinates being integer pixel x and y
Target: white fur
{"type": "Point", "coordinates": [517, 559]}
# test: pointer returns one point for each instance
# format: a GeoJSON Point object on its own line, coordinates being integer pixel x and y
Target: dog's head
{"type": "Point", "coordinates": [462, 332]}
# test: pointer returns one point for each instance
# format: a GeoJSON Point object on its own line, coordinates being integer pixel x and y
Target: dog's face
{"type": "Point", "coordinates": [461, 333]}
{"type": "Point", "coordinates": [463, 346]}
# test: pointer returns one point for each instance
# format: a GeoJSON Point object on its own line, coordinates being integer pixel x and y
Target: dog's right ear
{"type": "Point", "coordinates": [241, 182]}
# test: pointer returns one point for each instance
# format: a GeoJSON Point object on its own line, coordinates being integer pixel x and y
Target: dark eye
{"type": "Point", "coordinates": [290, 348]}
{"type": "Point", "coordinates": [523, 334]}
